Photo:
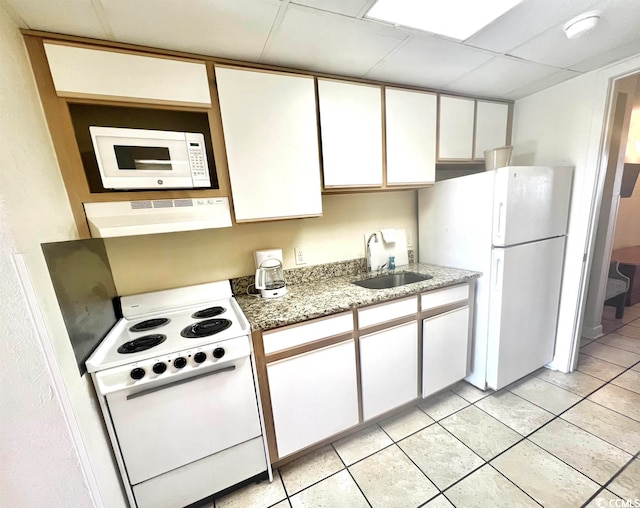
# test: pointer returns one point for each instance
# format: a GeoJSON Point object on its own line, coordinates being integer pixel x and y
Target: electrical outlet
{"type": "Point", "coordinates": [299, 256]}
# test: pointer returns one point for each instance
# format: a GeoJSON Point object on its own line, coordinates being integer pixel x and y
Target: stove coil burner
{"type": "Point", "coordinates": [142, 343]}
{"type": "Point", "coordinates": [205, 328]}
{"type": "Point", "coordinates": [149, 324]}
{"type": "Point", "coordinates": [209, 312]}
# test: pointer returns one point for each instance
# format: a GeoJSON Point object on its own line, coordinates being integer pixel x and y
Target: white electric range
{"type": "Point", "coordinates": [177, 385]}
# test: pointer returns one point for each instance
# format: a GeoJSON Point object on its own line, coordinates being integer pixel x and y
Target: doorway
{"type": "Point", "coordinates": [624, 98]}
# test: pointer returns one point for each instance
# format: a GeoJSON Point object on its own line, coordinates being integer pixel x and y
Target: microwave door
{"type": "Point", "coordinates": [143, 158]}
{"type": "Point", "coordinates": [143, 163]}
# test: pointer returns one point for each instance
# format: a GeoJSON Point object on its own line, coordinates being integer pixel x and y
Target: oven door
{"type": "Point", "coordinates": [141, 159]}
{"type": "Point", "coordinates": [162, 427]}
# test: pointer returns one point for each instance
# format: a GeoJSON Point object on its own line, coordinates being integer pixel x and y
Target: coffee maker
{"type": "Point", "coordinates": [269, 273]}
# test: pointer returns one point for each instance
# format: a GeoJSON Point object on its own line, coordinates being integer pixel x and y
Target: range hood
{"type": "Point", "coordinates": [127, 218]}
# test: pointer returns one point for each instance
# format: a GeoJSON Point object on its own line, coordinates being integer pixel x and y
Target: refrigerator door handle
{"type": "Point", "coordinates": [500, 225]}
{"type": "Point", "coordinates": [498, 280]}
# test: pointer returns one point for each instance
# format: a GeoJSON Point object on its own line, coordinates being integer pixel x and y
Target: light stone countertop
{"type": "Point", "coordinates": [338, 294]}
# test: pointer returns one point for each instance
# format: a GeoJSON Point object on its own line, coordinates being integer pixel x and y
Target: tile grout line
{"type": "Point", "coordinates": [412, 461]}
{"type": "Point", "coordinates": [526, 437]}
{"type": "Point", "coordinates": [512, 482]}
{"type": "Point", "coordinates": [485, 462]}
{"type": "Point", "coordinates": [604, 487]}
{"type": "Point", "coordinates": [349, 472]}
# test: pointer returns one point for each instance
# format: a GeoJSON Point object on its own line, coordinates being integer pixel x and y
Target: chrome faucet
{"type": "Point", "coordinates": [368, 253]}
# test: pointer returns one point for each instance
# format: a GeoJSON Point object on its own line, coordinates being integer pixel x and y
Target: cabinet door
{"type": "Point", "coordinates": [445, 350]}
{"type": "Point", "coordinates": [411, 119]}
{"type": "Point", "coordinates": [491, 126]}
{"type": "Point", "coordinates": [389, 368]}
{"type": "Point", "coordinates": [80, 72]}
{"type": "Point", "coordinates": [351, 127]}
{"type": "Point", "coordinates": [455, 129]}
{"type": "Point", "coordinates": [313, 396]}
{"type": "Point", "coordinates": [270, 132]}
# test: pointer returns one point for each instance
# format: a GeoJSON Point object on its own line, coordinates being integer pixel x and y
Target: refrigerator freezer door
{"type": "Point", "coordinates": [523, 309]}
{"type": "Point", "coordinates": [530, 203]}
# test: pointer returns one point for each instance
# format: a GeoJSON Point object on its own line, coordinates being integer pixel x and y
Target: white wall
{"type": "Point", "coordinates": [564, 125]}
{"type": "Point", "coordinates": [42, 452]}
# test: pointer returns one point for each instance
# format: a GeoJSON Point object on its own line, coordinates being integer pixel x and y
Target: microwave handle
{"type": "Point", "coordinates": [152, 161]}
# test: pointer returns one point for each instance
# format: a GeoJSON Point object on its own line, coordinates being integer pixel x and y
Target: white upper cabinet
{"type": "Point", "coordinates": [491, 126]}
{"type": "Point", "coordinates": [270, 130]}
{"type": "Point", "coordinates": [88, 72]}
{"type": "Point", "coordinates": [456, 128]}
{"type": "Point", "coordinates": [411, 123]}
{"type": "Point", "coordinates": [351, 129]}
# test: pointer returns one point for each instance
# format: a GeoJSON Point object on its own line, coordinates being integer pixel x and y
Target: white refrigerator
{"type": "Point", "coordinates": [510, 224]}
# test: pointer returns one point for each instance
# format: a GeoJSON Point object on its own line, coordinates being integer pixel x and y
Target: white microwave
{"type": "Point", "coordinates": [149, 159]}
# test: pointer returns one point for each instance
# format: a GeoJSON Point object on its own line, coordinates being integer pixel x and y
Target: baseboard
{"type": "Point", "coordinates": [592, 332]}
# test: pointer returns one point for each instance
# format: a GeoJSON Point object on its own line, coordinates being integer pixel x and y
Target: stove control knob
{"type": "Point", "coordinates": [199, 357]}
{"type": "Point", "coordinates": [218, 352]}
{"type": "Point", "coordinates": [159, 368]}
{"type": "Point", "coordinates": [137, 373]}
{"type": "Point", "coordinates": [179, 362]}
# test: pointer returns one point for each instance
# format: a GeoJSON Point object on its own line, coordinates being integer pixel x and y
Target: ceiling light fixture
{"type": "Point", "coordinates": [457, 19]}
{"type": "Point", "coordinates": [582, 24]}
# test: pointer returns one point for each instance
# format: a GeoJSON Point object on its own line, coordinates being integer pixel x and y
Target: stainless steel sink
{"type": "Point", "coordinates": [392, 280]}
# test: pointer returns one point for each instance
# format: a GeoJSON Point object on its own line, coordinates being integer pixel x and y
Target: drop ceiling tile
{"type": "Point", "coordinates": [324, 42]}
{"type": "Point", "coordinates": [525, 21]}
{"type": "Point", "coordinates": [74, 17]}
{"type": "Point", "coordinates": [347, 7]}
{"type": "Point", "coordinates": [499, 76]}
{"type": "Point", "coordinates": [619, 53]}
{"type": "Point", "coordinates": [618, 27]}
{"type": "Point", "coordinates": [540, 84]}
{"type": "Point", "coordinates": [224, 28]}
{"type": "Point", "coordinates": [428, 62]}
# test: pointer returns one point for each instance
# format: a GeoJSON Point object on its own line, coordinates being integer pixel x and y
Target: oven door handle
{"type": "Point", "coordinates": [179, 382]}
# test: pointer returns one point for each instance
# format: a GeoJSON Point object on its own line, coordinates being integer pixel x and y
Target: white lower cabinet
{"type": "Point", "coordinates": [314, 395]}
{"type": "Point", "coordinates": [445, 357]}
{"type": "Point", "coordinates": [389, 368]}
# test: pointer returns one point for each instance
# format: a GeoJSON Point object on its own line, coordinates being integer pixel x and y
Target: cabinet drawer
{"type": "Point", "coordinates": [296, 335]}
{"type": "Point", "coordinates": [441, 297]}
{"type": "Point", "coordinates": [386, 312]}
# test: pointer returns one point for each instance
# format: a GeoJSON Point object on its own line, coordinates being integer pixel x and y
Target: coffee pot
{"type": "Point", "coordinates": [270, 274]}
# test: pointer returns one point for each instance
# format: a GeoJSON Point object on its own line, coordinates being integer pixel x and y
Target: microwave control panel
{"type": "Point", "coordinates": [197, 159]}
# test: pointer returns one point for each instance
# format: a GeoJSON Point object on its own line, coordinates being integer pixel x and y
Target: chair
{"type": "Point", "coordinates": [617, 287]}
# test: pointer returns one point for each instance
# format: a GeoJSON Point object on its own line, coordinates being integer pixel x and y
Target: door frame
{"type": "Point", "coordinates": [590, 263]}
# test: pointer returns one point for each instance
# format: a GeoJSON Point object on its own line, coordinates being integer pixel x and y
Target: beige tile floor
{"type": "Point", "coordinates": [551, 439]}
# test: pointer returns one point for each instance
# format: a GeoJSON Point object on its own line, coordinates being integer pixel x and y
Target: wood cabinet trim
{"type": "Point", "coordinates": [443, 309]}
{"type": "Point", "coordinates": [229, 62]}
{"type": "Point", "coordinates": [71, 166]}
{"type": "Point", "coordinates": [101, 99]}
{"type": "Point", "coordinates": [61, 130]}
{"type": "Point", "coordinates": [265, 396]}
{"type": "Point", "coordinates": [356, 334]}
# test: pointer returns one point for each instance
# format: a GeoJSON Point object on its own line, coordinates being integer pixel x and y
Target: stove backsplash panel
{"type": "Point", "coordinates": [86, 292]}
